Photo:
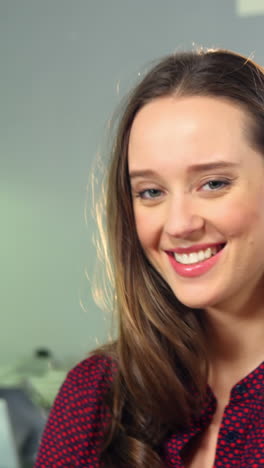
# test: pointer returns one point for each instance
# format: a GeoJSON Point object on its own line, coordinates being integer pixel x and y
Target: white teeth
{"type": "Point", "coordinates": [195, 257]}
{"type": "Point", "coordinates": [207, 253]}
{"type": "Point", "coordinates": [185, 258]}
{"type": "Point", "coordinates": [200, 256]}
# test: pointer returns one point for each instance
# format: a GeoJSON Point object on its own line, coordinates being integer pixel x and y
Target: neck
{"type": "Point", "coordinates": [235, 343]}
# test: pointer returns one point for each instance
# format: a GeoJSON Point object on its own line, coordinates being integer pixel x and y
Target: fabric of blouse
{"type": "Point", "coordinates": [75, 428]}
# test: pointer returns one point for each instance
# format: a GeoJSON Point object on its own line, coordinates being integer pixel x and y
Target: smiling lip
{"type": "Point", "coordinates": [194, 269]}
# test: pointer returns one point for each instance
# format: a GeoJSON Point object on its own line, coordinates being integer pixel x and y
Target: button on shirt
{"type": "Point", "coordinates": [75, 428]}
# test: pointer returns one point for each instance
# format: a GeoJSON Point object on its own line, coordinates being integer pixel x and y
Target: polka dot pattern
{"type": "Point", "coordinates": [74, 432]}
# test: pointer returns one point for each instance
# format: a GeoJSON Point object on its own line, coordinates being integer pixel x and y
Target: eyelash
{"type": "Point", "coordinates": [142, 194]}
{"type": "Point", "coordinates": [223, 182]}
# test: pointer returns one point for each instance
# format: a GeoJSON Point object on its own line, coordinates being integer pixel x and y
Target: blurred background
{"type": "Point", "coordinates": [65, 65]}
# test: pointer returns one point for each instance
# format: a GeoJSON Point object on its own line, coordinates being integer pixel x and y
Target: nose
{"type": "Point", "coordinates": [183, 218]}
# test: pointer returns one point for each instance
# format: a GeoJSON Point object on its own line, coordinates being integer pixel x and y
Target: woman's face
{"type": "Point", "coordinates": [198, 197]}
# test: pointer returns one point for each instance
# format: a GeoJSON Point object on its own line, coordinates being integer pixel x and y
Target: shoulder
{"type": "Point", "coordinates": [96, 372]}
{"type": "Point", "coordinates": [86, 383]}
{"type": "Point", "coordinates": [75, 427]}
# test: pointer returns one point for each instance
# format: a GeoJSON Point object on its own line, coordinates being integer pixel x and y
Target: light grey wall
{"type": "Point", "coordinates": [61, 61]}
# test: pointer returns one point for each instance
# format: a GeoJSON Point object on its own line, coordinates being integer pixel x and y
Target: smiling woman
{"type": "Point", "coordinates": [183, 384]}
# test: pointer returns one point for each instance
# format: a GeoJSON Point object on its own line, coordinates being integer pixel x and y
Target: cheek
{"type": "Point", "coordinates": [148, 228]}
{"type": "Point", "coordinates": [243, 219]}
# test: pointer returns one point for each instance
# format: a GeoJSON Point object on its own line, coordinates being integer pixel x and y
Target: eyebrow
{"type": "Point", "coordinates": [196, 168]}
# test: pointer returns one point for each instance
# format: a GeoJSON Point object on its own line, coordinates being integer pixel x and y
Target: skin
{"type": "Point", "coordinates": [179, 205]}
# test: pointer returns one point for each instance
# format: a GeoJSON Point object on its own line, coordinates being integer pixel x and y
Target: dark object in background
{"type": "Point", "coordinates": [37, 364]}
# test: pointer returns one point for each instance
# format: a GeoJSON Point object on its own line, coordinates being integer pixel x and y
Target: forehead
{"type": "Point", "coordinates": [187, 128]}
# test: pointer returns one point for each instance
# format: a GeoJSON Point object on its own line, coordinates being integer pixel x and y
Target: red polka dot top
{"type": "Point", "coordinates": [74, 432]}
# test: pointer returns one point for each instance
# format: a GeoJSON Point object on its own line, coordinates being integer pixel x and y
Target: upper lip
{"type": "Point", "coordinates": [193, 248]}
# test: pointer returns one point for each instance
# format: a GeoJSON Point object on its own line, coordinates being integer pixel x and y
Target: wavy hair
{"type": "Point", "coordinates": [160, 384]}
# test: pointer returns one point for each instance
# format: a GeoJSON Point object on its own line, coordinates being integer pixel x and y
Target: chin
{"type": "Point", "coordinates": [194, 303]}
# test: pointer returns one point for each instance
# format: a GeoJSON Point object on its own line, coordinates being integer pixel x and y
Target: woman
{"type": "Point", "coordinates": [183, 384]}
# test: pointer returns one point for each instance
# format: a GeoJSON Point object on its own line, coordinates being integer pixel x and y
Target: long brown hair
{"type": "Point", "coordinates": [160, 350]}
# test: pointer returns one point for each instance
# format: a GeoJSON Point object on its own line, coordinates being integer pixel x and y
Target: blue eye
{"type": "Point", "coordinates": [149, 194]}
{"type": "Point", "coordinates": [215, 184]}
